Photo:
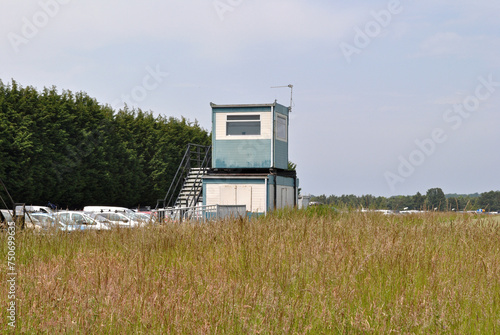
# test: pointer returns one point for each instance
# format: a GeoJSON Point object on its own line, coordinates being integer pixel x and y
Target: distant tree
{"type": "Point", "coordinates": [490, 201]}
{"type": "Point", "coordinates": [418, 201]}
{"type": "Point", "coordinates": [320, 198]}
{"type": "Point", "coordinates": [381, 203]}
{"type": "Point", "coordinates": [435, 199]}
{"type": "Point", "coordinates": [453, 203]}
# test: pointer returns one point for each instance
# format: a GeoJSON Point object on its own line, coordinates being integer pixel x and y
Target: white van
{"type": "Point", "coordinates": [106, 209]}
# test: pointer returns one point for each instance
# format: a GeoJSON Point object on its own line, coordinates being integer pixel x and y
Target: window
{"type": "Point", "coordinates": [243, 125]}
{"type": "Point", "coordinates": [78, 219]}
{"type": "Point", "coordinates": [65, 218]}
{"type": "Point", "coordinates": [281, 128]}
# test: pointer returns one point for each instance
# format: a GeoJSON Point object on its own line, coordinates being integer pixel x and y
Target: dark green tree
{"type": "Point", "coordinates": [70, 150]}
{"type": "Point", "coordinates": [435, 199]}
{"type": "Point", "coordinates": [418, 201]}
{"type": "Point", "coordinates": [490, 201]}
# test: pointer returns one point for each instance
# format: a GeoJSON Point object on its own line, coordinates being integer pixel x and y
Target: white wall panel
{"type": "Point", "coordinates": [251, 195]}
{"type": "Point", "coordinates": [265, 127]}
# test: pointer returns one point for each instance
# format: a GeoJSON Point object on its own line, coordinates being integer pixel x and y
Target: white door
{"type": "Point", "coordinates": [244, 196]}
{"type": "Point", "coordinates": [227, 195]}
{"type": "Point", "coordinates": [236, 195]}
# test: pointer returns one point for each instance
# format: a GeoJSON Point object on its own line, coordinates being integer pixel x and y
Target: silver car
{"type": "Point", "coordinates": [43, 221]}
{"type": "Point", "coordinates": [80, 220]}
{"type": "Point", "coordinates": [116, 219]}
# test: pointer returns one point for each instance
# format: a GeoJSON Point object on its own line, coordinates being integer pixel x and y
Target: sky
{"type": "Point", "coordinates": [389, 97]}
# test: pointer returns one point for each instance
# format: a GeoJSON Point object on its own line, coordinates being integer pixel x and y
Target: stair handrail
{"type": "Point", "coordinates": [175, 181]}
{"type": "Point", "coordinates": [201, 172]}
{"type": "Point", "coordinates": [203, 165]}
{"type": "Point", "coordinates": [181, 174]}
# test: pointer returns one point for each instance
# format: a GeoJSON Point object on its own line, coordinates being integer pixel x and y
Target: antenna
{"type": "Point", "coordinates": [291, 94]}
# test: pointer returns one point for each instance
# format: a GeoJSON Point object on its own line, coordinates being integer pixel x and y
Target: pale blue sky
{"type": "Point", "coordinates": [358, 115]}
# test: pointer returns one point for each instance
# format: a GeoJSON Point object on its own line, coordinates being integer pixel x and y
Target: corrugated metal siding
{"type": "Point", "coordinates": [270, 196]}
{"type": "Point", "coordinates": [285, 197]}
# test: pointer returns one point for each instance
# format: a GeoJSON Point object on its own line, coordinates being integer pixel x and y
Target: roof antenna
{"type": "Point", "coordinates": [291, 95]}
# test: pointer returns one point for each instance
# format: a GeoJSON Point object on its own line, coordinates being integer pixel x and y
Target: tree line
{"type": "Point", "coordinates": [434, 199]}
{"type": "Point", "coordinates": [70, 150]}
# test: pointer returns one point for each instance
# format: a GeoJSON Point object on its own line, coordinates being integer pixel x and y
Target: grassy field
{"type": "Point", "coordinates": [316, 271]}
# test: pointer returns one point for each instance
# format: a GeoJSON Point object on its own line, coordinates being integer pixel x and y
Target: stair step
{"type": "Point", "coordinates": [192, 187]}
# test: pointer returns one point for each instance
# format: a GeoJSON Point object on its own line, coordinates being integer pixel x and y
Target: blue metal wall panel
{"type": "Point", "coordinates": [240, 154]}
{"type": "Point", "coordinates": [281, 109]}
{"type": "Point", "coordinates": [281, 147]}
{"type": "Point", "coordinates": [270, 194]}
{"type": "Point", "coordinates": [281, 154]}
{"type": "Point", "coordinates": [284, 181]}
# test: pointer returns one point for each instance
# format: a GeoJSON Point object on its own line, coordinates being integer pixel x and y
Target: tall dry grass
{"type": "Point", "coordinates": [315, 271]}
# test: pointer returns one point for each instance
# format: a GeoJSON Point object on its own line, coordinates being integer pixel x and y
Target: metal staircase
{"type": "Point", "coordinates": [186, 187]}
{"type": "Point", "coordinates": [192, 189]}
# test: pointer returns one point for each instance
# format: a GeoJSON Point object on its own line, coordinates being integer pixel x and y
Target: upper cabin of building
{"type": "Point", "coordinates": [252, 136]}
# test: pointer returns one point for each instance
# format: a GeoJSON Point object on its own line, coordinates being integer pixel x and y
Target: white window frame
{"type": "Point", "coordinates": [242, 120]}
{"type": "Point", "coordinates": [285, 120]}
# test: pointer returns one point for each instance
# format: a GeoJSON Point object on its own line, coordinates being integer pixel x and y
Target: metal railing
{"type": "Point", "coordinates": [201, 213]}
{"type": "Point", "coordinates": [196, 156]}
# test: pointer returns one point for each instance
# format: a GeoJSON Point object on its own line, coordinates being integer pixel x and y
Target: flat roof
{"type": "Point", "coordinates": [243, 105]}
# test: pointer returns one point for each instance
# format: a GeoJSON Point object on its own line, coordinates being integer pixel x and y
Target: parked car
{"type": "Point", "coordinates": [43, 221]}
{"type": "Point", "coordinates": [145, 218]}
{"type": "Point", "coordinates": [80, 219]}
{"type": "Point", "coordinates": [117, 219]}
{"type": "Point", "coordinates": [6, 216]}
{"type": "Point", "coordinates": [107, 209]}
{"type": "Point", "coordinates": [33, 209]}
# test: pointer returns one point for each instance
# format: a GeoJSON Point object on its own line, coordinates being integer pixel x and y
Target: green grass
{"type": "Point", "coordinates": [316, 271]}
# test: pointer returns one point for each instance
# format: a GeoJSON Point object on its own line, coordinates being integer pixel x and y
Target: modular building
{"type": "Point", "coordinates": [250, 158]}
{"type": "Point", "coordinates": [250, 136]}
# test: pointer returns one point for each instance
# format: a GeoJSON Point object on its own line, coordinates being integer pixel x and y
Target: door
{"type": "Point", "coordinates": [227, 195]}
{"type": "Point", "coordinates": [244, 196]}
{"type": "Point", "coordinates": [236, 195]}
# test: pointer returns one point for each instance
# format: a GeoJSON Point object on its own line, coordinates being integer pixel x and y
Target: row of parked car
{"type": "Point", "coordinates": [91, 218]}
